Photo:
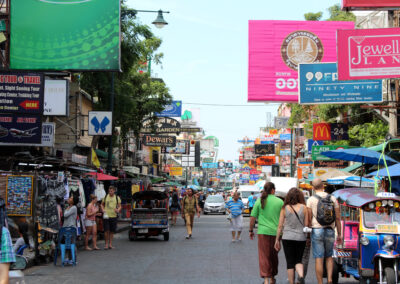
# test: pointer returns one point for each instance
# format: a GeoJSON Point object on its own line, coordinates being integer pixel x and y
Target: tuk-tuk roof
{"type": "Point", "coordinates": [150, 195]}
{"type": "Point", "coordinates": [358, 197]}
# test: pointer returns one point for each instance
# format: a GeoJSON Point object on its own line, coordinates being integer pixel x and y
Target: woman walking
{"type": "Point", "coordinates": [293, 219]}
{"type": "Point", "coordinates": [175, 206]}
{"type": "Point", "coordinates": [235, 207]}
{"type": "Point", "coordinates": [90, 222]}
{"type": "Point", "coordinates": [267, 211]}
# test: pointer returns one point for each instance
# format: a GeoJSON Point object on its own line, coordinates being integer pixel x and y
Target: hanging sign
{"type": "Point", "coordinates": [100, 123]}
{"type": "Point", "coordinates": [175, 171]}
{"type": "Point", "coordinates": [20, 129]}
{"type": "Point", "coordinates": [181, 147]}
{"type": "Point", "coordinates": [331, 164]}
{"type": "Point", "coordinates": [48, 133]}
{"type": "Point", "coordinates": [55, 97]}
{"type": "Point", "coordinates": [21, 92]}
{"type": "Point", "coordinates": [285, 137]}
{"type": "Point", "coordinates": [264, 149]}
{"type": "Point", "coordinates": [159, 140]}
{"type": "Point", "coordinates": [319, 85]}
{"type": "Point", "coordinates": [322, 131]}
{"type": "Point", "coordinates": [368, 54]}
{"type": "Point", "coordinates": [172, 110]}
{"type": "Point", "coordinates": [162, 125]}
{"type": "Point", "coordinates": [265, 161]}
{"type": "Point", "coordinates": [339, 131]}
{"type": "Point", "coordinates": [317, 150]}
{"type": "Point", "coordinates": [370, 4]}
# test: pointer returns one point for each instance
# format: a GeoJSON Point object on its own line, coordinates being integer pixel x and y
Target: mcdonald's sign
{"type": "Point", "coordinates": [322, 131]}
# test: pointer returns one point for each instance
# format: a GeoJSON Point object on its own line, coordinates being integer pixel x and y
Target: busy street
{"type": "Point", "coordinates": [209, 257]}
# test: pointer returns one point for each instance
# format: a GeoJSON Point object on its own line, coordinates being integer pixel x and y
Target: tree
{"type": "Point", "coordinates": [136, 95]}
{"type": "Point", "coordinates": [313, 16]}
{"type": "Point", "coordinates": [336, 14]}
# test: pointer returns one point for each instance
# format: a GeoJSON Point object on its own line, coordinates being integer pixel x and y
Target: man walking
{"type": "Point", "coordinates": [250, 202]}
{"type": "Point", "coordinates": [111, 206]}
{"type": "Point", "coordinates": [235, 208]}
{"type": "Point", "coordinates": [190, 206]}
{"type": "Point", "coordinates": [325, 213]}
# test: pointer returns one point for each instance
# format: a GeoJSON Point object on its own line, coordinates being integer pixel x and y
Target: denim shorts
{"type": "Point", "coordinates": [322, 241]}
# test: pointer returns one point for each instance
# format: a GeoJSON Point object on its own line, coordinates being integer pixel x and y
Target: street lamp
{"type": "Point", "coordinates": [159, 22]}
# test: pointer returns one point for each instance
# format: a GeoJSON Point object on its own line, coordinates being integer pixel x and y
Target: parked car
{"type": "Point", "coordinates": [214, 204]}
{"type": "Point", "coordinates": [245, 191]}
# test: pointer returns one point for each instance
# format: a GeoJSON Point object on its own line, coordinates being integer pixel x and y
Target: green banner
{"type": "Point", "coordinates": [316, 152]}
{"type": "Point", "coordinates": [65, 35]}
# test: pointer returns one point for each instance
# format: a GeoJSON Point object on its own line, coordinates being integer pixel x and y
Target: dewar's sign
{"type": "Point", "coordinates": [368, 54]}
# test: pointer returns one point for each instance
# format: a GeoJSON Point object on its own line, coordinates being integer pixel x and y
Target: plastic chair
{"type": "Point", "coordinates": [21, 250]}
{"type": "Point", "coordinates": [69, 237]}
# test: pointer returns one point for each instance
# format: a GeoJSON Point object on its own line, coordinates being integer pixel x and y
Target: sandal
{"type": "Point", "coordinates": [88, 249]}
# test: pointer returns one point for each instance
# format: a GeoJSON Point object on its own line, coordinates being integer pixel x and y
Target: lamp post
{"type": "Point", "coordinates": [159, 22]}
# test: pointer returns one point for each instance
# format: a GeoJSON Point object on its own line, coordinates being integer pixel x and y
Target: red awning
{"type": "Point", "coordinates": [101, 176]}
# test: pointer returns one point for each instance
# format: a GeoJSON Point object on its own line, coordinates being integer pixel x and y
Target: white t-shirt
{"type": "Point", "coordinates": [312, 203]}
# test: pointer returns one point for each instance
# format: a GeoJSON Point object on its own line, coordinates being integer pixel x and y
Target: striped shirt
{"type": "Point", "coordinates": [236, 207]}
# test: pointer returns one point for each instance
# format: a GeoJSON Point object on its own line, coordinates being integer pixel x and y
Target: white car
{"type": "Point", "coordinates": [214, 204]}
{"type": "Point", "coordinates": [245, 191]}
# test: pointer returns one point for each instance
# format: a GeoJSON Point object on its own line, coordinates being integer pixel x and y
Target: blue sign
{"type": "Point", "coordinates": [16, 128]}
{"type": "Point", "coordinates": [172, 110]}
{"type": "Point", "coordinates": [318, 84]}
{"type": "Point", "coordinates": [313, 143]}
{"type": "Point", "coordinates": [254, 177]}
{"type": "Point", "coordinates": [266, 142]}
{"type": "Point", "coordinates": [209, 165]}
{"type": "Point", "coordinates": [284, 153]}
{"type": "Point", "coordinates": [285, 136]}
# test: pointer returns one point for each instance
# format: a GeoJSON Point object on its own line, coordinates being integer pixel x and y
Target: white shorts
{"type": "Point", "coordinates": [237, 223]}
{"type": "Point", "coordinates": [89, 223]}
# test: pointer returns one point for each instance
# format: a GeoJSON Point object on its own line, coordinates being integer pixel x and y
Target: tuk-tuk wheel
{"type": "Point", "coordinates": [132, 235]}
{"type": "Point", "coordinates": [364, 280]}
{"type": "Point", "coordinates": [166, 236]}
{"type": "Point", "coordinates": [390, 275]}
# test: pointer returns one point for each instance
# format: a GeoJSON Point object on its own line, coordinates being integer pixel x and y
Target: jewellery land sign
{"type": "Point", "coordinates": [172, 110]}
{"type": "Point", "coordinates": [21, 92]}
{"type": "Point", "coordinates": [370, 4]}
{"type": "Point", "coordinates": [159, 140]}
{"type": "Point", "coordinates": [55, 97]}
{"type": "Point", "coordinates": [20, 129]}
{"type": "Point", "coordinates": [264, 149]}
{"type": "Point", "coordinates": [100, 123]}
{"type": "Point", "coordinates": [318, 84]}
{"type": "Point", "coordinates": [53, 35]}
{"type": "Point", "coordinates": [276, 48]}
{"type": "Point", "coordinates": [368, 54]}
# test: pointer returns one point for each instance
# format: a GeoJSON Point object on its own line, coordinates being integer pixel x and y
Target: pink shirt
{"type": "Point", "coordinates": [91, 211]}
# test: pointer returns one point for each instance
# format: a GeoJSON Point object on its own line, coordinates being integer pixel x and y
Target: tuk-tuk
{"type": "Point", "coordinates": [149, 215]}
{"type": "Point", "coordinates": [370, 250]}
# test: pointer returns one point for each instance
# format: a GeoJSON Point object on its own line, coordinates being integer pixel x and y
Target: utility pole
{"type": "Point", "coordinates": [393, 99]}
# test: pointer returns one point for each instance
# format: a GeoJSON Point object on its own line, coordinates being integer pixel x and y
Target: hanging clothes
{"type": "Point", "coordinates": [76, 189]}
{"type": "Point", "coordinates": [89, 187]}
{"type": "Point", "coordinates": [48, 212]}
{"type": "Point", "coordinates": [100, 192]}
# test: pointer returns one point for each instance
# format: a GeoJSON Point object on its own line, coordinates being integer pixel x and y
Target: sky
{"type": "Point", "coordinates": [205, 47]}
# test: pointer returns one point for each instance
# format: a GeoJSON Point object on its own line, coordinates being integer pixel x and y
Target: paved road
{"type": "Point", "coordinates": [209, 257]}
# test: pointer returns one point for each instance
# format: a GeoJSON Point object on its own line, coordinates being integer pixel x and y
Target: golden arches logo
{"type": "Point", "coordinates": [323, 132]}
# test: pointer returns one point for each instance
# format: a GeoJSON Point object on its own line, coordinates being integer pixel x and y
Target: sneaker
{"type": "Point", "coordinates": [239, 239]}
{"type": "Point", "coordinates": [188, 237]}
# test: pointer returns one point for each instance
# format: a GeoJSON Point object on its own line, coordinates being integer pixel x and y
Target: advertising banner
{"type": "Point", "coordinates": [339, 131]}
{"type": "Point", "coordinates": [100, 123]}
{"type": "Point", "coordinates": [284, 152]}
{"type": "Point", "coordinates": [24, 129]}
{"type": "Point", "coordinates": [285, 137]}
{"type": "Point", "coordinates": [65, 35]}
{"type": "Point", "coordinates": [331, 164]}
{"type": "Point", "coordinates": [281, 122]}
{"type": "Point", "coordinates": [175, 171]}
{"type": "Point", "coordinates": [277, 47]}
{"type": "Point", "coordinates": [159, 140]}
{"type": "Point", "coordinates": [181, 147]}
{"type": "Point", "coordinates": [162, 124]}
{"type": "Point", "coordinates": [55, 97]}
{"type": "Point", "coordinates": [172, 110]}
{"type": "Point", "coordinates": [48, 133]}
{"type": "Point", "coordinates": [312, 143]}
{"type": "Point", "coordinates": [21, 92]}
{"type": "Point", "coordinates": [368, 54]}
{"type": "Point", "coordinates": [302, 162]}
{"type": "Point", "coordinates": [370, 4]}
{"type": "Point", "coordinates": [316, 152]}
{"type": "Point", "coordinates": [322, 131]}
{"type": "Point", "coordinates": [209, 165]}
{"type": "Point", "coordinates": [264, 149]}
{"type": "Point", "coordinates": [265, 161]}
{"type": "Point", "coordinates": [318, 84]}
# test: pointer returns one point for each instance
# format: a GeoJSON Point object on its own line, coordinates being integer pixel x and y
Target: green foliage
{"type": "Point", "coordinates": [368, 134]}
{"type": "Point", "coordinates": [136, 95]}
{"type": "Point", "coordinates": [336, 14]}
{"type": "Point", "coordinates": [313, 16]}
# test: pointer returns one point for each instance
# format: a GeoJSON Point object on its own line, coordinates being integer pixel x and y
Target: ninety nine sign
{"type": "Point", "coordinates": [322, 131]}
{"type": "Point", "coordinates": [368, 54]}
{"type": "Point", "coordinates": [158, 140]}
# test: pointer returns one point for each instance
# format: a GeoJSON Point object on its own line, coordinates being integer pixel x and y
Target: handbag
{"type": "Point", "coordinates": [305, 229]}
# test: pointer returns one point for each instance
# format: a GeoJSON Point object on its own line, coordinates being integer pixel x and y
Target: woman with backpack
{"type": "Point", "coordinates": [293, 219]}
{"type": "Point", "coordinates": [175, 206]}
{"type": "Point", "coordinates": [267, 211]}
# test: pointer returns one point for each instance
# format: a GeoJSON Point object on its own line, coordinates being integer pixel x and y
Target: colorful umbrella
{"type": "Point", "coordinates": [101, 176]}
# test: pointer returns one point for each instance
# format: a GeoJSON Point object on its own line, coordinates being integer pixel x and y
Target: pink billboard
{"type": "Point", "coordinates": [276, 48]}
{"type": "Point", "coordinates": [368, 54]}
{"type": "Point", "coordinates": [369, 4]}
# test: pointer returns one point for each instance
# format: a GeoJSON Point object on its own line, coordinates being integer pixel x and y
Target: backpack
{"type": "Point", "coordinates": [325, 210]}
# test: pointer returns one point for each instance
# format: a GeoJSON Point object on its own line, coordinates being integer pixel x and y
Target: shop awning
{"type": "Point", "coordinates": [101, 176]}
{"type": "Point", "coordinates": [80, 169]}
{"type": "Point", "coordinates": [103, 154]}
